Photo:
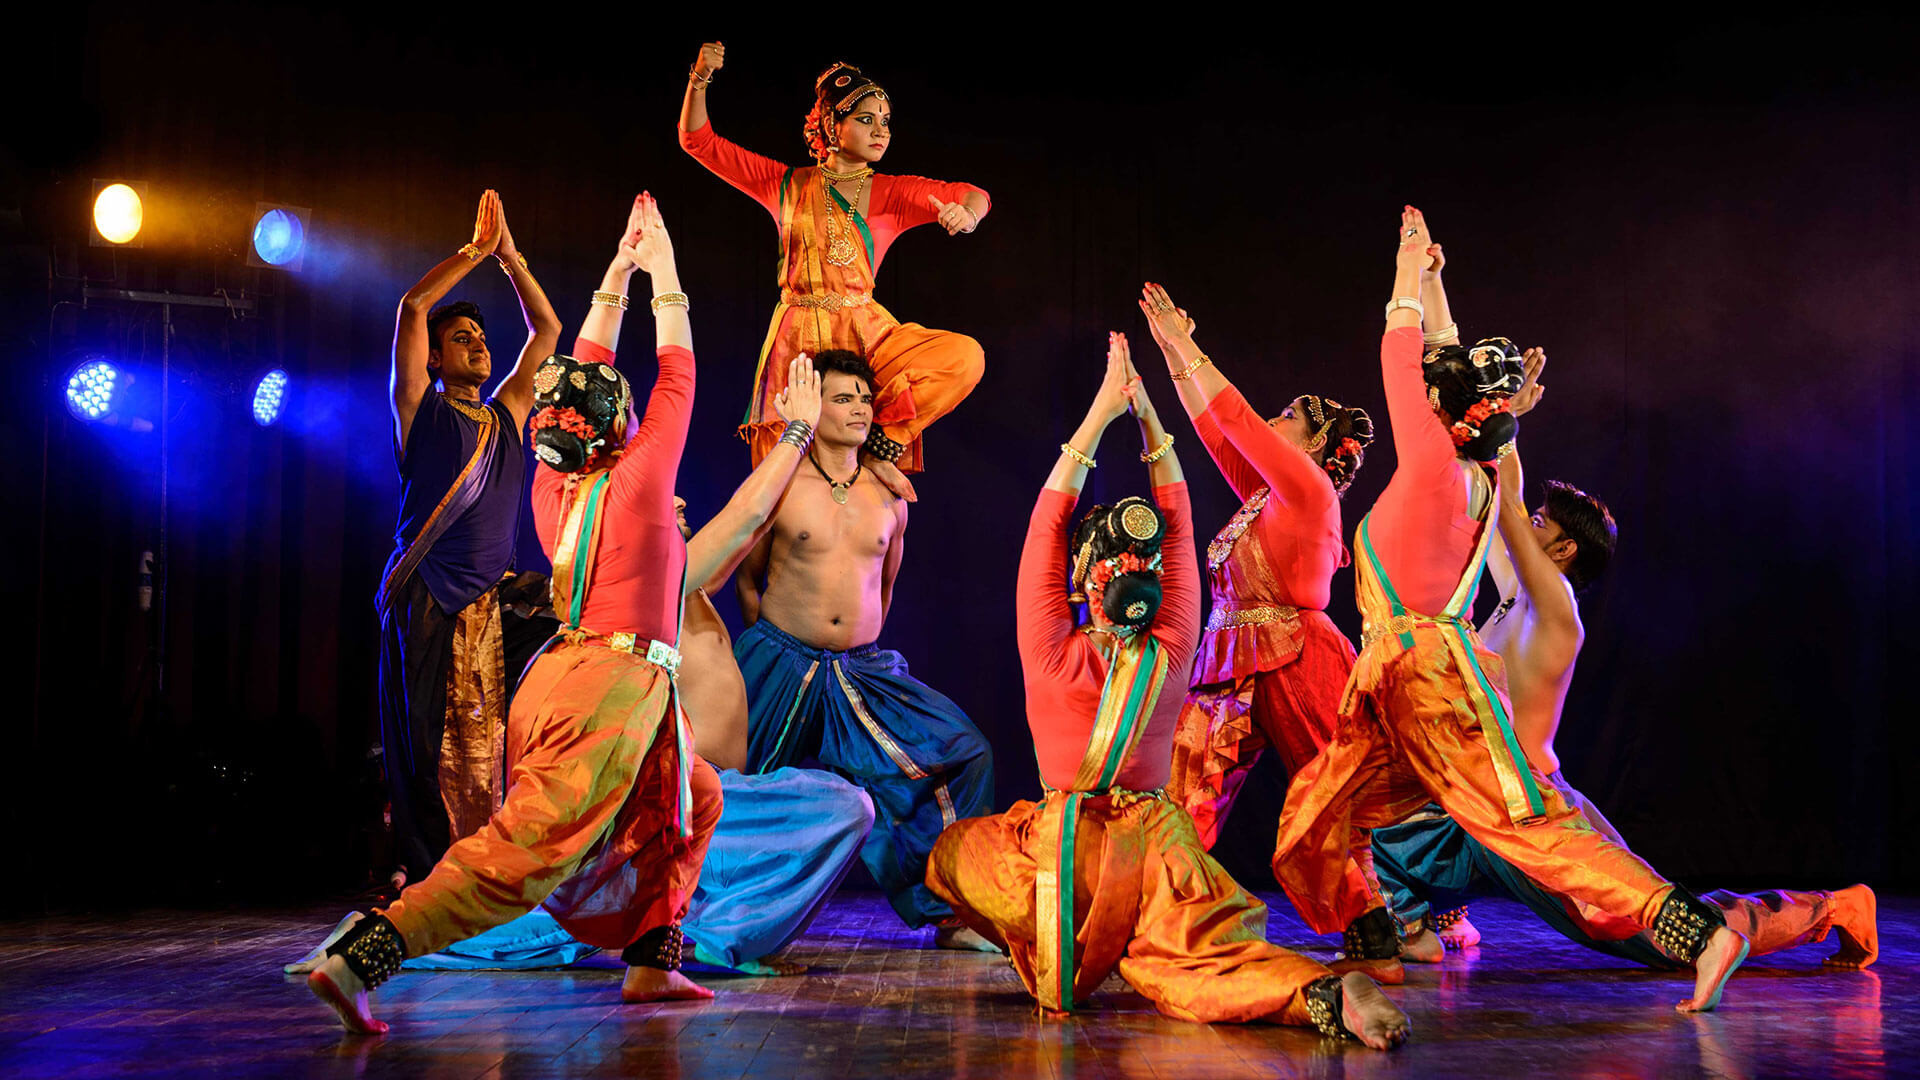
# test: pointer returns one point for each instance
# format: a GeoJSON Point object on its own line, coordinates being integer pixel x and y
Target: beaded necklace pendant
{"type": "Point", "coordinates": [1222, 545]}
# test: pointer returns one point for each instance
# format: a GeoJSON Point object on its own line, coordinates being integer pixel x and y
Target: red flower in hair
{"type": "Point", "coordinates": [1349, 447]}
{"type": "Point", "coordinates": [566, 419]}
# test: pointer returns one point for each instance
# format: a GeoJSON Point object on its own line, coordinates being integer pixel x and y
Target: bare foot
{"type": "Point", "coordinates": [1388, 971]}
{"type": "Point", "coordinates": [336, 984]}
{"type": "Point", "coordinates": [1368, 1013]}
{"type": "Point", "coordinates": [311, 962]}
{"type": "Point", "coordinates": [1725, 950]}
{"type": "Point", "coordinates": [652, 984]}
{"type": "Point", "coordinates": [1422, 947]}
{"type": "Point", "coordinates": [963, 938]}
{"type": "Point", "coordinates": [1461, 935]}
{"type": "Point", "coordinates": [1856, 920]}
{"type": "Point", "coordinates": [765, 965]}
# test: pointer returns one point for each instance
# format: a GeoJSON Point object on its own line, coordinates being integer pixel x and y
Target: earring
{"type": "Point", "coordinates": [1314, 444]}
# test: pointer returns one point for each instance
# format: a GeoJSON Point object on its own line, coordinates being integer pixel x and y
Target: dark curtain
{"type": "Point", "coordinates": [1714, 235]}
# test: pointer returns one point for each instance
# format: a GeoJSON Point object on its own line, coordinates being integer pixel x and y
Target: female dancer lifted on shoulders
{"type": "Point", "coordinates": [837, 217]}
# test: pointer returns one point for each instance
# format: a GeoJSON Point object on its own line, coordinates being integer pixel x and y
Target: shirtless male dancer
{"type": "Point", "coordinates": [815, 592]}
{"type": "Point", "coordinates": [1540, 562]}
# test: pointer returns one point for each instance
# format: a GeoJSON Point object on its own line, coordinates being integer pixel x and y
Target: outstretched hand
{"type": "Point", "coordinates": [1115, 395]}
{"type": "Point", "coordinates": [954, 217]}
{"type": "Point", "coordinates": [489, 223]}
{"type": "Point", "coordinates": [648, 246]}
{"type": "Point", "coordinates": [1167, 322]}
{"type": "Point", "coordinates": [1415, 240]}
{"type": "Point", "coordinates": [1534, 361]}
{"type": "Point", "coordinates": [801, 399]}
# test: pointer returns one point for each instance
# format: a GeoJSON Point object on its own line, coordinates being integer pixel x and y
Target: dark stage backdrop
{"type": "Point", "coordinates": [1717, 238]}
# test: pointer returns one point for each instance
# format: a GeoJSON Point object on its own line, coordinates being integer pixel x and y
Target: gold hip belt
{"type": "Point", "coordinates": [825, 301]}
{"type": "Point", "coordinates": [1402, 624]}
{"type": "Point", "coordinates": [1232, 618]}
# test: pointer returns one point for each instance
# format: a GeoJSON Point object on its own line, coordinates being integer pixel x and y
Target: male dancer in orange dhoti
{"type": "Point", "coordinates": [836, 219]}
{"type": "Point", "coordinates": [1106, 872]}
{"type": "Point", "coordinates": [1541, 562]}
{"type": "Point", "coordinates": [608, 812]}
{"type": "Point", "coordinates": [1426, 716]}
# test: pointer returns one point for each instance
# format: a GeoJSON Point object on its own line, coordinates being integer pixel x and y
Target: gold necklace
{"type": "Point", "coordinates": [837, 488]}
{"type": "Point", "coordinates": [860, 173]}
{"type": "Point", "coordinates": [840, 249]}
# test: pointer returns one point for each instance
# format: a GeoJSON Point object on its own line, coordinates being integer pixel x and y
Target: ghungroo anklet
{"type": "Point", "coordinates": [373, 950]}
{"type": "Point", "coordinates": [1685, 924]}
{"type": "Point", "coordinates": [659, 948]}
{"type": "Point", "coordinates": [883, 448]}
{"type": "Point", "coordinates": [1446, 919]}
{"type": "Point", "coordinates": [1372, 936]}
{"type": "Point", "coordinates": [1326, 1007]}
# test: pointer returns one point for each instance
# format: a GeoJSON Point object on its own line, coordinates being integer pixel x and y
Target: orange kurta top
{"type": "Point", "coordinates": [1271, 568]}
{"type": "Point", "coordinates": [830, 255]}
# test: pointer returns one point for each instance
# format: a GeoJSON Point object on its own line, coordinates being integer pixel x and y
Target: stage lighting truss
{"type": "Point", "coordinates": [269, 397]}
{"type": "Point", "coordinates": [278, 240]}
{"type": "Point", "coordinates": [119, 213]}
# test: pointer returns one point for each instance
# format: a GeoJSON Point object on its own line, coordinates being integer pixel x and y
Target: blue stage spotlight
{"type": "Point", "coordinates": [269, 395]}
{"type": "Point", "coordinates": [279, 236]}
{"type": "Point", "coordinates": [91, 386]}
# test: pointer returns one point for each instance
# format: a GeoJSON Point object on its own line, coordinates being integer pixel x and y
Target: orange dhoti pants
{"type": "Point", "coordinates": [1412, 732]}
{"type": "Point", "coordinates": [1147, 899]}
{"type": "Point", "coordinates": [589, 822]}
{"type": "Point", "coordinates": [921, 374]}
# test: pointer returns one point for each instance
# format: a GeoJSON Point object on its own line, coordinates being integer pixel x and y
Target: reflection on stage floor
{"type": "Point", "coordinates": [201, 993]}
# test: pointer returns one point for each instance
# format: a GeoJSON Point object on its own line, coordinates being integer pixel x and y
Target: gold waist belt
{"type": "Point", "coordinates": [1402, 624]}
{"type": "Point", "coordinates": [1232, 618]}
{"type": "Point", "coordinates": [658, 653]}
{"type": "Point", "coordinates": [825, 301]}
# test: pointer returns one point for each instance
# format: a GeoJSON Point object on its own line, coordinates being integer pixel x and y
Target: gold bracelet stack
{"type": "Point", "coordinates": [668, 298]}
{"type": "Point", "coordinates": [1408, 302]}
{"type": "Point", "coordinates": [1187, 372]}
{"type": "Point", "coordinates": [1151, 456]}
{"type": "Point", "coordinates": [472, 252]}
{"type": "Point", "coordinates": [506, 268]}
{"type": "Point", "coordinates": [693, 76]}
{"type": "Point", "coordinates": [1437, 337]}
{"type": "Point", "coordinates": [1067, 449]}
{"type": "Point", "coordinates": [610, 299]}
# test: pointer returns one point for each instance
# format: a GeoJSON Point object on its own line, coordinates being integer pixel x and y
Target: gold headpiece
{"type": "Point", "coordinates": [1140, 522]}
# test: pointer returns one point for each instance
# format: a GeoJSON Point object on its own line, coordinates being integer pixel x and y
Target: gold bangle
{"type": "Point", "coordinates": [507, 268]}
{"type": "Point", "coordinates": [1187, 372]}
{"type": "Point", "coordinates": [1067, 449]}
{"type": "Point", "coordinates": [1408, 302]}
{"type": "Point", "coordinates": [667, 298]}
{"type": "Point", "coordinates": [1159, 452]}
{"type": "Point", "coordinates": [1437, 337]}
{"type": "Point", "coordinates": [693, 76]}
{"type": "Point", "coordinates": [472, 252]}
{"type": "Point", "coordinates": [610, 299]}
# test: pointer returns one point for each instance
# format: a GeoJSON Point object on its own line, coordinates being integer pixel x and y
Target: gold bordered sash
{"type": "Point", "coordinates": [1521, 794]}
{"type": "Point", "coordinates": [1135, 673]}
{"type": "Point", "coordinates": [461, 494]}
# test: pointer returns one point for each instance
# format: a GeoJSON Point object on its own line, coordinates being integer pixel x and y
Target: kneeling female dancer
{"type": "Point", "coordinates": [1271, 666]}
{"type": "Point", "coordinates": [1106, 872]}
{"type": "Point", "coordinates": [836, 219]}
{"type": "Point", "coordinates": [609, 811]}
{"type": "Point", "coordinates": [1426, 716]}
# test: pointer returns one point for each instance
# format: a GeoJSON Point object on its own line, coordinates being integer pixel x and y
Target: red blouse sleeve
{"type": "Point", "coordinates": [662, 435]}
{"type": "Point", "coordinates": [1296, 481]}
{"type": "Point", "coordinates": [1177, 624]}
{"type": "Point", "coordinates": [905, 199]}
{"type": "Point", "coordinates": [1241, 476]}
{"type": "Point", "coordinates": [758, 176]}
{"type": "Point", "coordinates": [1420, 443]}
{"type": "Point", "coordinates": [1044, 618]}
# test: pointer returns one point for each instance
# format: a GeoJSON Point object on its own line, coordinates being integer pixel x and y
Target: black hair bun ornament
{"type": "Point", "coordinates": [1132, 599]}
{"type": "Point", "coordinates": [578, 407]}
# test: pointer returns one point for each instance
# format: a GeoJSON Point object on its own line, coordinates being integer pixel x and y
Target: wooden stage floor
{"type": "Point", "coordinates": [200, 993]}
